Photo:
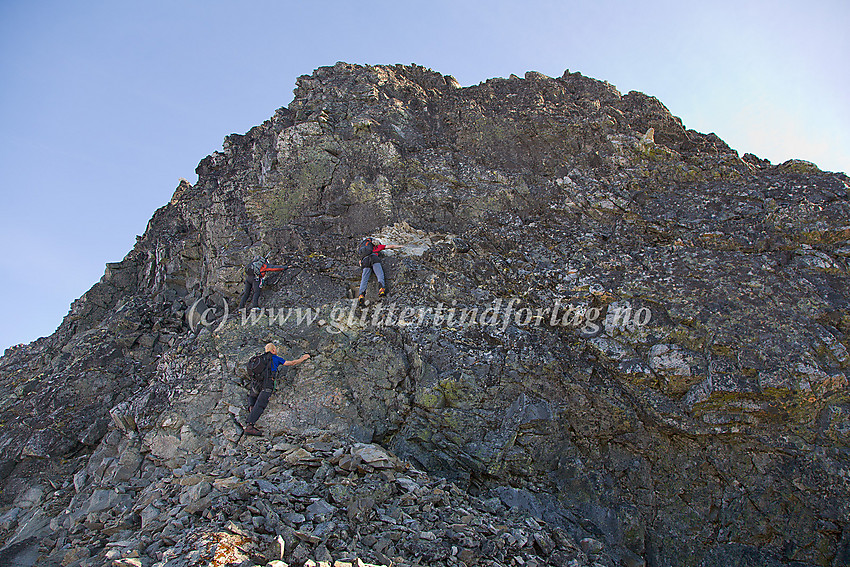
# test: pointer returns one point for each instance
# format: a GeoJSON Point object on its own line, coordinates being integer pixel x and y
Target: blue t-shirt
{"type": "Point", "coordinates": [276, 361]}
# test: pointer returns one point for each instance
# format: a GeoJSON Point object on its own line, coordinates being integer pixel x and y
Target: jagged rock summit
{"type": "Point", "coordinates": [609, 340]}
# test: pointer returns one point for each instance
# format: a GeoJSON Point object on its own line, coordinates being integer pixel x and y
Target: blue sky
{"type": "Point", "coordinates": [105, 105]}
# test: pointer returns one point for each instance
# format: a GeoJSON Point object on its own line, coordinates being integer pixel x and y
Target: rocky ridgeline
{"type": "Point", "coordinates": [629, 341]}
{"type": "Point", "coordinates": [284, 501]}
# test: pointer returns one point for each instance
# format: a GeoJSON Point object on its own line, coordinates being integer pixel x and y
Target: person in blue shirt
{"type": "Point", "coordinates": [259, 396]}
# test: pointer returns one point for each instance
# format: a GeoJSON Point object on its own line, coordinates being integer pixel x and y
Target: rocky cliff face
{"type": "Point", "coordinates": [608, 340]}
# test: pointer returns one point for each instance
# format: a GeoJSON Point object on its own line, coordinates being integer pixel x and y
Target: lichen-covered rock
{"type": "Point", "coordinates": [629, 343]}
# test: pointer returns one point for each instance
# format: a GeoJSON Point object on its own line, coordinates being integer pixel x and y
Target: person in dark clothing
{"type": "Point", "coordinates": [260, 393]}
{"type": "Point", "coordinates": [254, 274]}
{"type": "Point", "coordinates": [371, 262]}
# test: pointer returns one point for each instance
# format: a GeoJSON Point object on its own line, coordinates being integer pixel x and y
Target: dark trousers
{"type": "Point", "coordinates": [257, 401]}
{"type": "Point", "coordinates": [252, 290]}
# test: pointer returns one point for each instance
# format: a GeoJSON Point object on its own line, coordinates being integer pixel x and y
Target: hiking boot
{"type": "Point", "coordinates": [251, 430]}
{"type": "Point", "coordinates": [361, 301]}
{"type": "Point", "coordinates": [382, 292]}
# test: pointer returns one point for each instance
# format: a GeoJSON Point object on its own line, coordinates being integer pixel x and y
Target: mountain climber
{"type": "Point", "coordinates": [254, 274]}
{"type": "Point", "coordinates": [263, 386]}
{"type": "Point", "coordinates": [370, 261]}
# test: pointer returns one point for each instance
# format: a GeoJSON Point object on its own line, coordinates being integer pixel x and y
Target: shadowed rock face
{"type": "Point", "coordinates": [602, 319]}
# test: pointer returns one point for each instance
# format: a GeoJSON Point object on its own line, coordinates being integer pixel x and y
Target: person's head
{"type": "Point", "coordinates": [271, 348]}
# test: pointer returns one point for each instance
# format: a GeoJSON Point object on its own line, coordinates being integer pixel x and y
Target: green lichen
{"type": "Point", "coordinates": [283, 204]}
{"type": "Point", "coordinates": [430, 399]}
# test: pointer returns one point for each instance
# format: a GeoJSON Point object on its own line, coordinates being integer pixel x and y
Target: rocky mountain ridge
{"type": "Point", "coordinates": [615, 339]}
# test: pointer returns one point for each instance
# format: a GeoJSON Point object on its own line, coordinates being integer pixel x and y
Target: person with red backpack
{"type": "Point", "coordinates": [370, 262]}
{"type": "Point", "coordinates": [263, 369]}
{"type": "Point", "coordinates": [254, 274]}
